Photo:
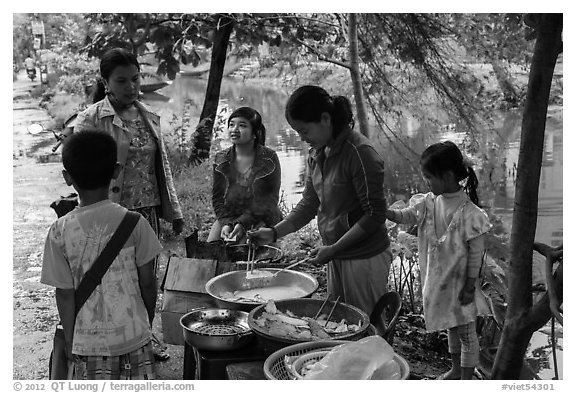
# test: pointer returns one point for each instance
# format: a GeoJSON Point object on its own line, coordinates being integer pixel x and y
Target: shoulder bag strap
{"type": "Point", "coordinates": [93, 276]}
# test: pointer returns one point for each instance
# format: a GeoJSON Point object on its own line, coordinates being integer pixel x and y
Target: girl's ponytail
{"type": "Point", "coordinates": [99, 91]}
{"type": "Point", "coordinates": [342, 115]}
{"type": "Point", "coordinates": [471, 186]}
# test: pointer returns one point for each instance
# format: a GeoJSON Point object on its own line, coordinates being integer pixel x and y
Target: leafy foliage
{"type": "Point", "coordinates": [494, 36]}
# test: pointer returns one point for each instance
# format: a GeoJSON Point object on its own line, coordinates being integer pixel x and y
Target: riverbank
{"type": "Point", "coordinates": [35, 185]}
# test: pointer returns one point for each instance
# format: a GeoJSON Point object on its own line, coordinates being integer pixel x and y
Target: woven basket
{"type": "Point", "coordinates": [304, 360]}
{"type": "Point", "coordinates": [276, 367]}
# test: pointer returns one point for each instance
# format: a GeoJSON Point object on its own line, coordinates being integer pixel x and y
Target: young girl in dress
{"type": "Point", "coordinates": [450, 246]}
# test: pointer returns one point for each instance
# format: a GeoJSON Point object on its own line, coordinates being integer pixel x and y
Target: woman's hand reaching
{"type": "Point", "coordinates": [261, 236]}
{"type": "Point", "coordinates": [321, 255]}
{"type": "Point", "coordinates": [226, 231]}
{"type": "Point", "coordinates": [232, 232]}
{"type": "Point", "coordinates": [238, 232]}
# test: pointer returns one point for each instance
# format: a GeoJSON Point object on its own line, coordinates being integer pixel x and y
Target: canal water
{"type": "Point", "coordinates": [499, 147]}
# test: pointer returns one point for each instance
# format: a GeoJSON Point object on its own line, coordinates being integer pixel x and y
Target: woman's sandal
{"type": "Point", "coordinates": [159, 350]}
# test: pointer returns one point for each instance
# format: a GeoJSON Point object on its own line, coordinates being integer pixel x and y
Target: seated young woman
{"type": "Point", "coordinates": [246, 180]}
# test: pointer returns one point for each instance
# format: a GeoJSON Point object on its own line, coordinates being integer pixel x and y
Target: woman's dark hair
{"type": "Point", "coordinates": [111, 59]}
{"type": "Point", "coordinates": [89, 158]}
{"type": "Point", "coordinates": [442, 157]}
{"type": "Point", "coordinates": [255, 120]}
{"type": "Point", "coordinates": [308, 103]}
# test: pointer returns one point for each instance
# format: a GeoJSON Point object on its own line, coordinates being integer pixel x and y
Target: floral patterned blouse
{"type": "Point", "coordinates": [140, 187]}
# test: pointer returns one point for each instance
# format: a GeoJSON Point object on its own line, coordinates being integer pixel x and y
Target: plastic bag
{"type": "Point", "coordinates": [368, 358]}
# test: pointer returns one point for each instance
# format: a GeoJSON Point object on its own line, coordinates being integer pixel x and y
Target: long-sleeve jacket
{"type": "Point", "coordinates": [249, 206]}
{"type": "Point", "coordinates": [101, 116]}
{"type": "Point", "coordinates": [345, 187]}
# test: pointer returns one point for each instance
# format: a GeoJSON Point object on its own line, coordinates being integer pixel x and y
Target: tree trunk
{"type": "Point", "coordinates": [202, 138]}
{"type": "Point", "coordinates": [518, 326]}
{"type": "Point", "coordinates": [355, 75]}
{"type": "Point", "coordinates": [504, 80]}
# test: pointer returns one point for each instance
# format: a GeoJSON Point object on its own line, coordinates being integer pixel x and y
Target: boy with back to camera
{"type": "Point", "coordinates": [110, 338]}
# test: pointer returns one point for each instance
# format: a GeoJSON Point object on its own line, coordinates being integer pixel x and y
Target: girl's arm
{"type": "Point", "coordinates": [402, 216]}
{"type": "Point", "coordinates": [475, 253]}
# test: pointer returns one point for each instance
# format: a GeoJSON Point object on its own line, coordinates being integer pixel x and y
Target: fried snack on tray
{"type": "Point", "coordinates": [289, 325]}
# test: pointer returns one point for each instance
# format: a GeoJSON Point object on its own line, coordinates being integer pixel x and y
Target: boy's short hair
{"type": "Point", "coordinates": [89, 158]}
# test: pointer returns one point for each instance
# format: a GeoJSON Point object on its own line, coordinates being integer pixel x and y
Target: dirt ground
{"type": "Point", "coordinates": [35, 185]}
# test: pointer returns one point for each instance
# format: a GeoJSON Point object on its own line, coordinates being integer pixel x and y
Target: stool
{"type": "Point", "coordinates": [211, 365]}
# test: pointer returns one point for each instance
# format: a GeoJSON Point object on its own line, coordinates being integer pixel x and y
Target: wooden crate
{"type": "Point", "coordinates": [184, 290]}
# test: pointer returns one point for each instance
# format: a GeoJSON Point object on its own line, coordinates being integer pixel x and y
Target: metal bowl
{"type": "Point", "coordinates": [308, 308]}
{"type": "Point", "coordinates": [218, 286]}
{"type": "Point", "coordinates": [216, 329]}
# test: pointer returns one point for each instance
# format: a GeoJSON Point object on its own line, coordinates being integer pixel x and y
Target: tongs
{"type": "Point", "coordinates": [251, 257]}
{"type": "Point", "coordinates": [291, 266]}
{"type": "Point", "coordinates": [331, 311]}
{"type": "Point", "coordinates": [260, 274]}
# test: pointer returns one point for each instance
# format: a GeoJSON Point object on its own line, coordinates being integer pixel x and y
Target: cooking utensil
{"type": "Point", "coordinates": [221, 286]}
{"type": "Point", "coordinates": [216, 329]}
{"type": "Point", "coordinates": [333, 307]}
{"type": "Point", "coordinates": [263, 274]}
{"type": "Point", "coordinates": [271, 341]}
{"type": "Point", "coordinates": [321, 307]}
{"type": "Point", "coordinates": [291, 266]}
{"type": "Point", "coordinates": [251, 259]}
{"type": "Point", "coordinates": [238, 253]}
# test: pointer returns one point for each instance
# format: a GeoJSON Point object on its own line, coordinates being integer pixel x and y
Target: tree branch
{"type": "Point", "coordinates": [144, 36]}
{"type": "Point", "coordinates": [299, 18]}
{"type": "Point", "coordinates": [322, 57]}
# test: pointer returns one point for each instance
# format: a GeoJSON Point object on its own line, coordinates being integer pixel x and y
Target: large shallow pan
{"type": "Point", "coordinates": [220, 287]}
{"type": "Point", "coordinates": [308, 308]}
{"type": "Point", "coordinates": [216, 329]}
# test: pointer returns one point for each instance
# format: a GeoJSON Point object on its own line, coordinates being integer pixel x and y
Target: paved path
{"type": "Point", "coordinates": [34, 186]}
